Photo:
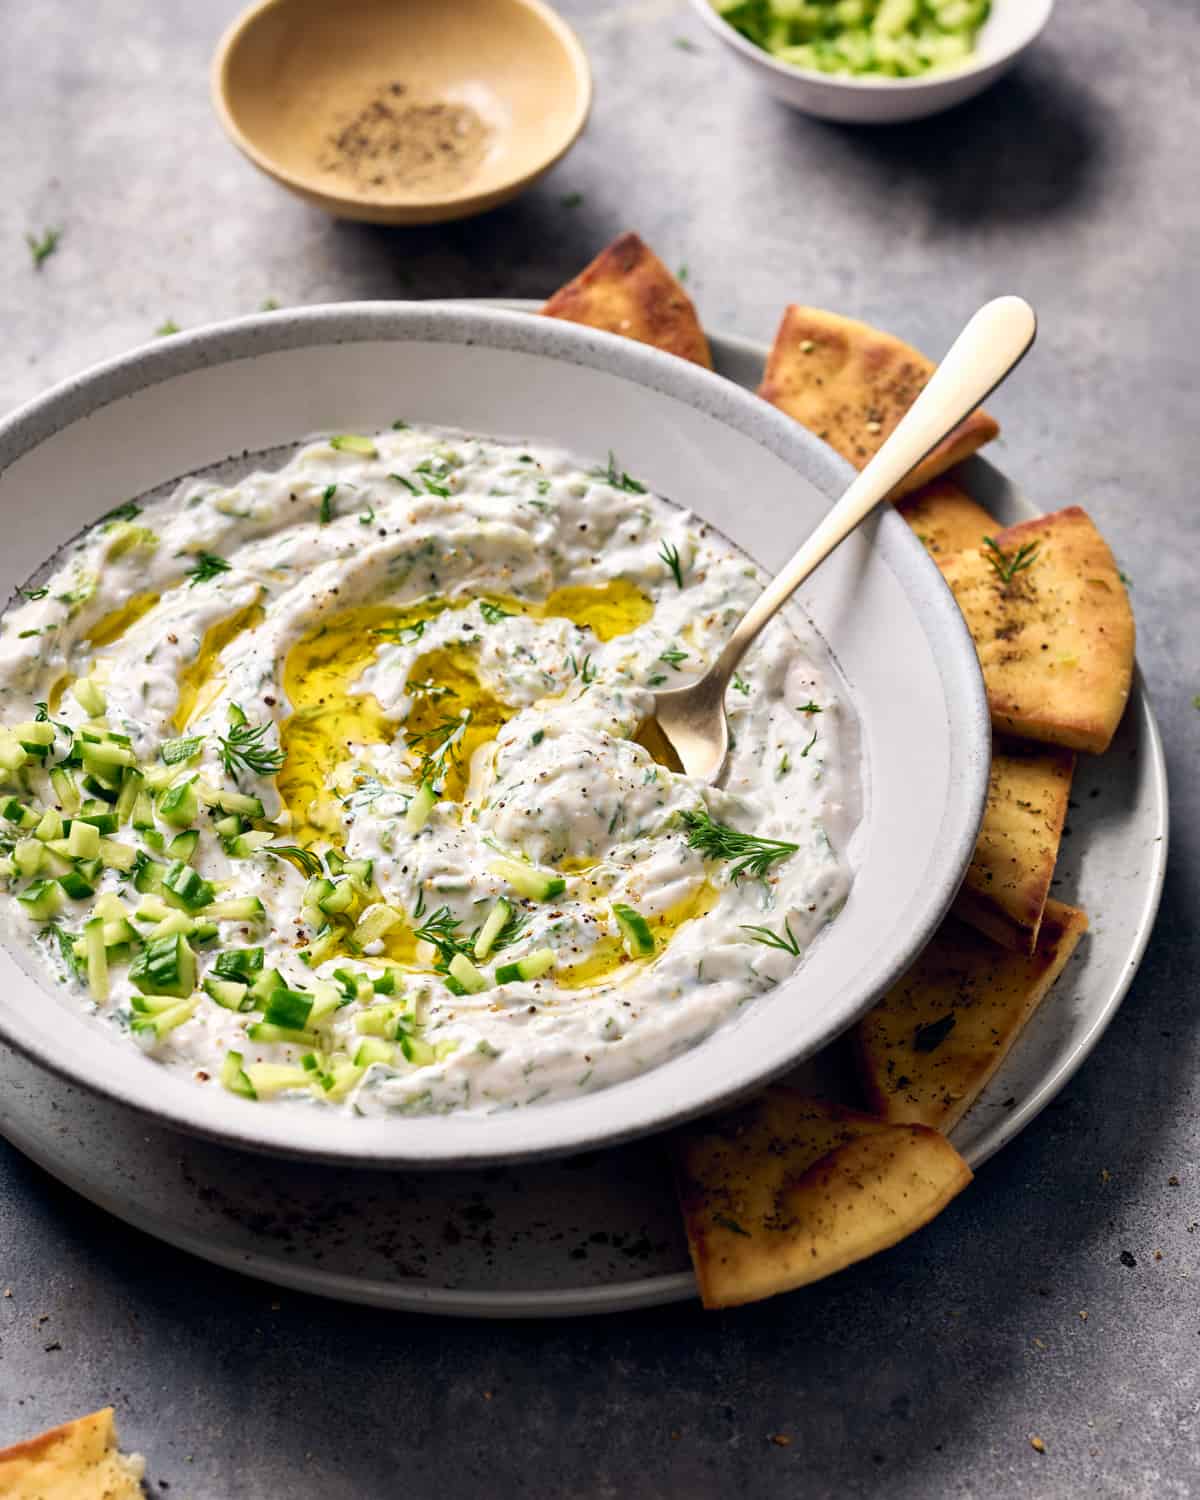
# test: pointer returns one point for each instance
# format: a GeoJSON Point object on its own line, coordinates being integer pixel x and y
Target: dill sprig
{"type": "Point", "coordinates": [493, 613]}
{"type": "Point", "coordinates": [670, 556]}
{"type": "Point", "coordinates": [439, 745]}
{"type": "Point", "coordinates": [770, 939]}
{"type": "Point", "coordinates": [509, 933]}
{"type": "Point", "coordinates": [325, 514]}
{"type": "Point", "coordinates": [42, 247]}
{"type": "Point", "coordinates": [303, 860]}
{"type": "Point", "coordinates": [673, 657]}
{"type": "Point", "coordinates": [208, 566]}
{"type": "Point", "coordinates": [750, 854]}
{"type": "Point", "coordinates": [441, 931]}
{"type": "Point", "coordinates": [1008, 565]}
{"type": "Point", "coordinates": [242, 749]}
{"type": "Point", "coordinates": [617, 477]}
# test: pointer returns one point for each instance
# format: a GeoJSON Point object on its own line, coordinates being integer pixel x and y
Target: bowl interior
{"type": "Point", "coordinates": [175, 408]}
{"type": "Point", "coordinates": [293, 74]}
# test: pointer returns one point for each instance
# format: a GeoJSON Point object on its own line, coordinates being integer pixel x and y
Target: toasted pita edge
{"type": "Point", "coordinates": [1007, 905]}
{"type": "Point", "coordinates": [1031, 697]}
{"type": "Point", "coordinates": [627, 290]}
{"type": "Point", "coordinates": [945, 518]}
{"type": "Point", "coordinates": [65, 1459]}
{"type": "Point", "coordinates": [877, 381]}
{"type": "Point", "coordinates": [825, 1228]}
{"type": "Point", "coordinates": [922, 1097]}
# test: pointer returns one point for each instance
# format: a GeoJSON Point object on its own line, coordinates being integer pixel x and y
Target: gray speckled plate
{"type": "Point", "coordinates": [595, 1233]}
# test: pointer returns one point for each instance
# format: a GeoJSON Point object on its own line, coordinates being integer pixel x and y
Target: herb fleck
{"type": "Point", "coordinates": [208, 566]}
{"type": "Point", "coordinates": [670, 556]}
{"type": "Point", "coordinates": [1007, 565]}
{"type": "Point", "coordinates": [41, 249]}
{"type": "Point", "coordinates": [929, 1038]}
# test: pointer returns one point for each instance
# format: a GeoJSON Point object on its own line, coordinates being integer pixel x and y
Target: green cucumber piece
{"type": "Point", "coordinates": [635, 930]}
{"type": "Point", "coordinates": [117, 856]}
{"type": "Point", "coordinates": [16, 812]}
{"type": "Point", "coordinates": [417, 1051]}
{"type": "Point", "coordinates": [90, 697]}
{"type": "Point", "coordinates": [76, 884]}
{"type": "Point", "coordinates": [28, 857]}
{"type": "Point", "coordinates": [179, 805]}
{"type": "Point", "coordinates": [98, 814]}
{"type": "Point", "coordinates": [528, 880]}
{"type": "Point", "coordinates": [65, 790]}
{"type": "Point", "coordinates": [289, 1008]}
{"type": "Point", "coordinates": [240, 909]}
{"type": "Point", "coordinates": [267, 1031]}
{"type": "Point", "coordinates": [148, 874]}
{"type": "Point", "coordinates": [96, 958]}
{"type": "Point", "coordinates": [83, 841]}
{"type": "Point", "coordinates": [339, 899]}
{"type": "Point", "coordinates": [186, 888]}
{"type": "Point", "coordinates": [149, 1030]}
{"type": "Point", "coordinates": [266, 1079]}
{"type": "Point", "coordinates": [165, 966]}
{"type": "Point", "coordinates": [374, 1050]}
{"type": "Point", "coordinates": [235, 1078]}
{"type": "Point", "coordinates": [417, 813]}
{"type": "Point", "coordinates": [41, 900]}
{"type": "Point", "coordinates": [228, 992]}
{"type": "Point", "coordinates": [179, 752]}
{"type": "Point", "coordinates": [532, 966]}
{"type": "Point", "coordinates": [49, 827]}
{"type": "Point", "coordinates": [245, 845]}
{"type": "Point", "coordinates": [462, 969]}
{"type": "Point", "coordinates": [131, 784]}
{"type": "Point", "coordinates": [265, 986]}
{"type": "Point", "coordinates": [183, 845]}
{"type": "Point", "coordinates": [492, 928]}
{"type": "Point", "coordinates": [243, 964]}
{"type": "Point", "coordinates": [354, 442]}
{"type": "Point", "coordinates": [373, 923]}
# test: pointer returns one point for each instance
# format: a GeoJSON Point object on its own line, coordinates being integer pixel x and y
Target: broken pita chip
{"type": "Point", "coordinates": [850, 384]}
{"type": "Point", "coordinates": [929, 1048]}
{"type": "Point", "coordinates": [77, 1461]}
{"type": "Point", "coordinates": [789, 1189]}
{"type": "Point", "coordinates": [946, 519]}
{"type": "Point", "coordinates": [1009, 876]}
{"type": "Point", "coordinates": [628, 290]}
{"type": "Point", "coordinates": [1053, 629]}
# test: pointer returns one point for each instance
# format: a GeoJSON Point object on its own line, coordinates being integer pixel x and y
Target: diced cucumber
{"type": "Point", "coordinates": [373, 923]}
{"type": "Point", "coordinates": [339, 1080]}
{"type": "Point", "coordinates": [96, 957]}
{"type": "Point", "coordinates": [152, 909]}
{"type": "Point", "coordinates": [183, 845]}
{"type": "Point", "coordinates": [154, 839]}
{"type": "Point", "coordinates": [142, 816]}
{"type": "Point", "coordinates": [83, 841]}
{"type": "Point", "coordinates": [492, 928]}
{"type": "Point", "coordinates": [359, 872]}
{"type": "Point", "coordinates": [334, 862]}
{"type": "Point", "coordinates": [382, 1020]}
{"type": "Point", "coordinates": [265, 986]}
{"type": "Point", "coordinates": [17, 812]}
{"type": "Point", "coordinates": [34, 733]}
{"type": "Point", "coordinates": [267, 1031]}
{"type": "Point", "coordinates": [316, 891]}
{"type": "Point", "coordinates": [166, 966]}
{"type": "Point", "coordinates": [186, 888]}
{"type": "Point", "coordinates": [110, 907]}
{"type": "Point", "coordinates": [147, 874]}
{"type": "Point", "coordinates": [374, 1050]}
{"type": "Point", "coordinates": [339, 899]}
{"type": "Point", "coordinates": [326, 998]}
{"type": "Point", "coordinates": [353, 442]}
{"type": "Point", "coordinates": [266, 1079]}
{"type": "Point", "coordinates": [635, 931]}
{"type": "Point", "coordinates": [204, 933]}
{"type": "Point", "coordinates": [150, 1030]}
{"type": "Point", "coordinates": [179, 805]}
{"type": "Point", "coordinates": [290, 1008]}
{"type": "Point", "coordinates": [98, 814]}
{"type": "Point", "coordinates": [105, 784]}
{"type": "Point", "coordinates": [131, 784]}
{"type": "Point", "coordinates": [416, 815]}
{"type": "Point", "coordinates": [228, 992]}
{"type": "Point", "coordinates": [80, 883]}
{"type": "Point", "coordinates": [13, 754]}
{"type": "Point", "coordinates": [322, 946]}
{"type": "Point", "coordinates": [229, 826]}
{"type": "Point", "coordinates": [103, 759]}
{"type": "Point", "coordinates": [245, 845]}
{"type": "Point", "coordinates": [235, 1078]}
{"type": "Point", "coordinates": [152, 1005]}
{"type": "Point", "coordinates": [528, 880]}
{"type": "Point", "coordinates": [174, 921]}
{"type": "Point", "coordinates": [467, 974]}
{"type": "Point", "coordinates": [90, 696]}
{"type": "Point", "coordinates": [231, 802]}
{"type": "Point", "coordinates": [117, 856]}
{"type": "Point", "coordinates": [120, 933]}
{"type": "Point", "coordinates": [532, 966]}
{"type": "Point", "coordinates": [41, 900]}
{"type": "Point", "coordinates": [50, 826]}
{"type": "Point", "coordinates": [240, 909]}
{"type": "Point", "coordinates": [417, 1051]}
{"type": "Point", "coordinates": [179, 752]}
{"type": "Point", "coordinates": [27, 857]}
{"type": "Point", "coordinates": [65, 790]}
{"type": "Point", "coordinates": [242, 964]}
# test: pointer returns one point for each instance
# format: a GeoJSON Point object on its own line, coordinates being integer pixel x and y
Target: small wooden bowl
{"type": "Point", "coordinates": [292, 78]}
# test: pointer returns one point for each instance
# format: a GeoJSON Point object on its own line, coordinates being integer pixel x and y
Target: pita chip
{"type": "Point", "coordinates": [77, 1461]}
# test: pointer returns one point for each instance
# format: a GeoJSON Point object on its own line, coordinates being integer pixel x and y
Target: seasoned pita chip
{"type": "Point", "coordinates": [1009, 876]}
{"type": "Point", "coordinates": [628, 290]}
{"type": "Point", "coordinates": [1052, 625]}
{"type": "Point", "coordinates": [931, 1045]}
{"type": "Point", "coordinates": [77, 1461]}
{"type": "Point", "coordinates": [946, 519]}
{"type": "Point", "coordinates": [850, 384]}
{"type": "Point", "coordinates": [789, 1189]}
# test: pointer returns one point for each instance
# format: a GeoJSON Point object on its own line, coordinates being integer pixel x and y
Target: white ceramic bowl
{"type": "Point", "coordinates": [241, 388]}
{"type": "Point", "coordinates": [1012, 26]}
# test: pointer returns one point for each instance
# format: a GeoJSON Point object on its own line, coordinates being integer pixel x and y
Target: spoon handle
{"type": "Point", "coordinates": [989, 347]}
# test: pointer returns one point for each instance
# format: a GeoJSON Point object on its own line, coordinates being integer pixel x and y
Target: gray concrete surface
{"type": "Point", "coordinates": [925, 1372]}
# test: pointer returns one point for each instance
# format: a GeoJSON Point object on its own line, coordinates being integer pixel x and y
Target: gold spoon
{"type": "Point", "coordinates": [690, 721]}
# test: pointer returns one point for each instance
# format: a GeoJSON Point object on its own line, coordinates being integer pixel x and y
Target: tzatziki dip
{"type": "Point", "coordinates": [326, 785]}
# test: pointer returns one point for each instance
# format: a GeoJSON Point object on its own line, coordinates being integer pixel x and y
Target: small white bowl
{"type": "Point", "coordinates": [1012, 26]}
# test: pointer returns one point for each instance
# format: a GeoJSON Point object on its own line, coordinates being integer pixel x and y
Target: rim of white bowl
{"type": "Point", "coordinates": [598, 1119]}
{"type": "Point", "coordinates": [1038, 14]}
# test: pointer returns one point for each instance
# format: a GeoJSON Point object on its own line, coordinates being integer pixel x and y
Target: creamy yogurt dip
{"type": "Point", "coordinates": [323, 786]}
